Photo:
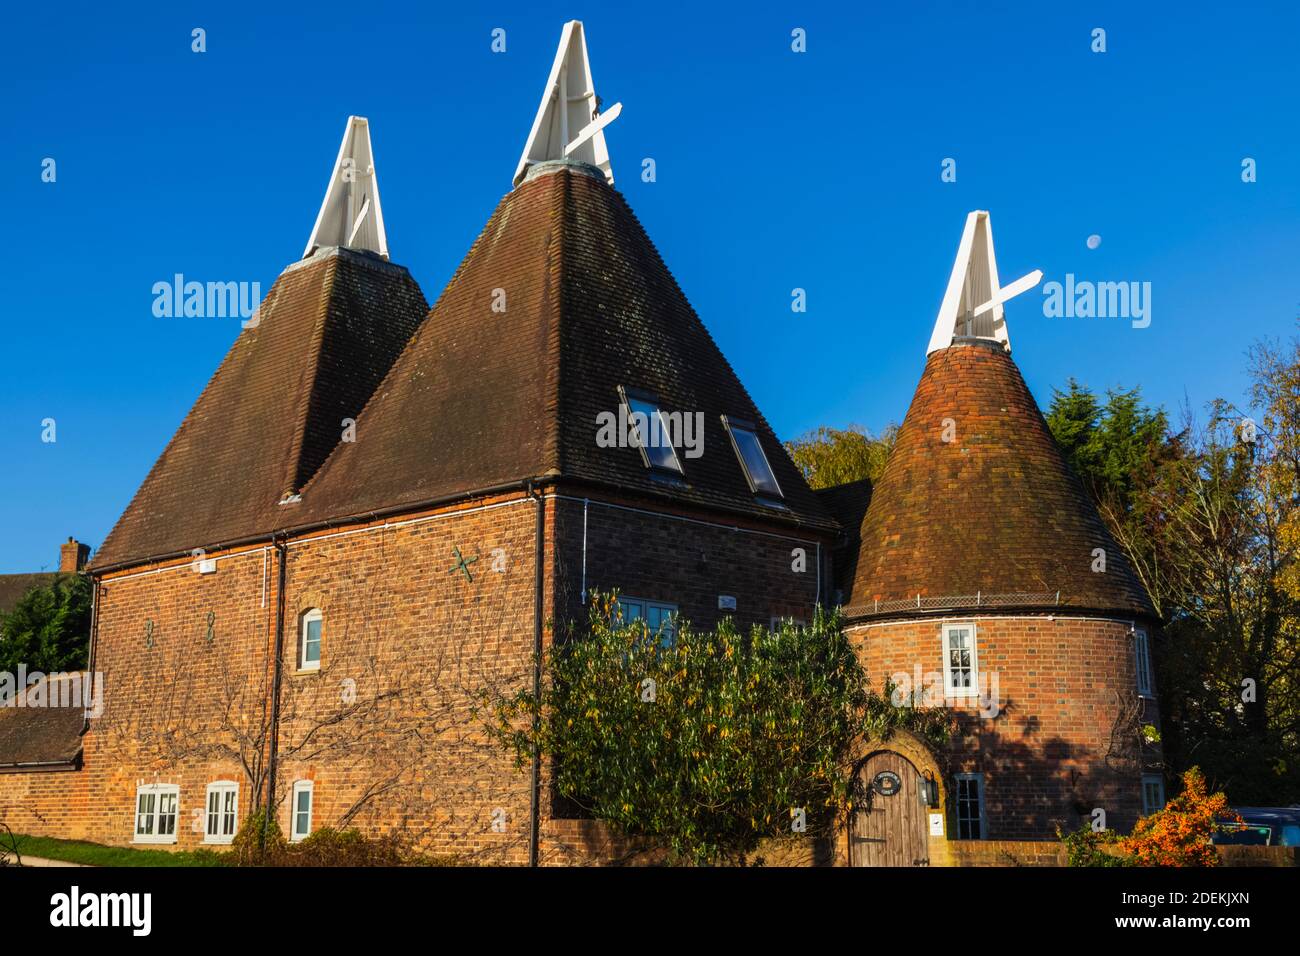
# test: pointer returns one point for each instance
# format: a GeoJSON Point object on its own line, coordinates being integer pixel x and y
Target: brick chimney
{"type": "Point", "coordinates": [72, 556]}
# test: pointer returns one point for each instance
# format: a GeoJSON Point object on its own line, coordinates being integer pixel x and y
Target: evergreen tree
{"type": "Point", "coordinates": [49, 628]}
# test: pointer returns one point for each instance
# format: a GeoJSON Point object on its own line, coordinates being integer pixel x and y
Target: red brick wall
{"type": "Point", "coordinates": [383, 728]}
{"type": "Point", "coordinates": [165, 685]}
{"type": "Point", "coordinates": [689, 563]}
{"type": "Point", "coordinates": [1063, 738]}
{"type": "Point", "coordinates": [46, 804]}
{"type": "Point", "coordinates": [414, 639]}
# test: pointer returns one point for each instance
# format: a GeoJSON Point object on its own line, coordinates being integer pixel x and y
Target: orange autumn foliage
{"type": "Point", "coordinates": [1179, 835]}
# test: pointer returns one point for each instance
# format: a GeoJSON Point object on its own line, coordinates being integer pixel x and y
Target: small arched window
{"type": "Point", "coordinates": [309, 640]}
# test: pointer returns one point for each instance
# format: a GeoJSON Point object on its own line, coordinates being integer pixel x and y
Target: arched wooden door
{"type": "Point", "coordinates": [892, 831]}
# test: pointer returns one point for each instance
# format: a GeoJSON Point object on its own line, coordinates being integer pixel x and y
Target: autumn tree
{"type": "Point", "coordinates": [835, 456]}
{"type": "Point", "coordinates": [1179, 834]}
{"type": "Point", "coordinates": [1208, 518]}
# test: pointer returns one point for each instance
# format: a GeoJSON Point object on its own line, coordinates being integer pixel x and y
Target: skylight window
{"type": "Point", "coordinates": [651, 431]}
{"type": "Point", "coordinates": [753, 461]}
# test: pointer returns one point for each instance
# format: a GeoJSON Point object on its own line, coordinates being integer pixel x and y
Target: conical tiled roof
{"type": "Point", "coordinates": [484, 397]}
{"type": "Point", "coordinates": [993, 516]}
{"type": "Point", "coordinates": [328, 330]}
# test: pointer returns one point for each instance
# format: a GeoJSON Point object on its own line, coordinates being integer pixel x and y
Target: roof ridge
{"type": "Point", "coordinates": [308, 376]}
{"type": "Point", "coordinates": [553, 296]}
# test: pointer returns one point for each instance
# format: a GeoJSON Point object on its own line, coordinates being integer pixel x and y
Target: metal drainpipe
{"type": "Point", "coordinates": [90, 655]}
{"type": "Point", "coordinates": [282, 551]}
{"type": "Point", "coordinates": [534, 838]}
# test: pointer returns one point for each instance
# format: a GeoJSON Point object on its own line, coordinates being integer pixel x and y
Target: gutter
{"type": "Point", "coordinates": [282, 552]}
{"type": "Point", "coordinates": [42, 766]}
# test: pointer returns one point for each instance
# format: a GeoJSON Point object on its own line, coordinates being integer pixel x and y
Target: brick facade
{"type": "Point", "coordinates": [383, 727]}
{"type": "Point", "coordinates": [1058, 733]}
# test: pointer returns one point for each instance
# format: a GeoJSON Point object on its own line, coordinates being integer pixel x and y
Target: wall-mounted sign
{"type": "Point", "coordinates": [886, 783]}
{"type": "Point", "coordinates": [936, 824]}
{"type": "Point", "coordinates": [726, 602]}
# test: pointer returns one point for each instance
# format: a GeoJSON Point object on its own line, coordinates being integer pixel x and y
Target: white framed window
{"type": "Point", "coordinates": [300, 808]}
{"type": "Point", "coordinates": [970, 807]}
{"type": "Point", "coordinates": [960, 661]}
{"type": "Point", "coordinates": [651, 430]}
{"type": "Point", "coordinates": [798, 622]}
{"type": "Point", "coordinates": [1153, 793]}
{"type": "Point", "coordinates": [309, 640]}
{"type": "Point", "coordinates": [221, 813]}
{"type": "Point", "coordinates": [1142, 657]}
{"type": "Point", "coordinates": [660, 617]}
{"type": "Point", "coordinates": [753, 460]}
{"type": "Point", "coordinates": [156, 808]}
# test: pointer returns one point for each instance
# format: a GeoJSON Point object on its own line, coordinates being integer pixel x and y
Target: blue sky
{"type": "Point", "coordinates": [775, 170]}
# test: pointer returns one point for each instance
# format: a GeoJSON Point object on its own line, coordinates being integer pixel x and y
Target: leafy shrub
{"type": "Point", "coordinates": [330, 847]}
{"type": "Point", "coordinates": [1085, 847]}
{"type": "Point", "coordinates": [325, 847]}
{"type": "Point", "coordinates": [1179, 835]}
{"type": "Point", "coordinates": [248, 848]}
{"type": "Point", "coordinates": [706, 743]}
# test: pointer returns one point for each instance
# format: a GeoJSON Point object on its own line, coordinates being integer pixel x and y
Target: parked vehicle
{"type": "Point", "coordinates": [1262, 826]}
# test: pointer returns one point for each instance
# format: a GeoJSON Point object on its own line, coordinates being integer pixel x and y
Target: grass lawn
{"type": "Point", "coordinates": [95, 854]}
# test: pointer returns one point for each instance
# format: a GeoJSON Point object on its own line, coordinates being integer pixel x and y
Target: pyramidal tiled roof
{"type": "Point", "coordinates": [993, 513]}
{"type": "Point", "coordinates": [483, 398]}
{"type": "Point", "coordinates": [328, 330]}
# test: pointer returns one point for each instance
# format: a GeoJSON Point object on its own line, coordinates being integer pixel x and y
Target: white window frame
{"type": "Point", "coordinates": [627, 396]}
{"type": "Point", "coordinates": [778, 618]}
{"type": "Point", "coordinates": [309, 788]}
{"type": "Point", "coordinates": [1142, 662]}
{"type": "Point", "coordinates": [950, 690]}
{"type": "Point", "coordinates": [667, 631]}
{"type": "Point", "coordinates": [221, 790]}
{"type": "Point", "coordinates": [978, 779]}
{"type": "Point", "coordinates": [1155, 780]}
{"type": "Point", "coordinates": [158, 792]}
{"type": "Point", "coordinates": [308, 616]}
{"type": "Point", "coordinates": [734, 425]}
